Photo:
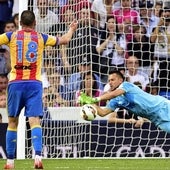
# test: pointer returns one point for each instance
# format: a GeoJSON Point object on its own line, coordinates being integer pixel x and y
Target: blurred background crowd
{"type": "Point", "coordinates": [132, 36]}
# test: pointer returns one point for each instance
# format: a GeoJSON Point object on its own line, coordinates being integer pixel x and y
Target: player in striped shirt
{"type": "Point", "coordinates": [25, 85]}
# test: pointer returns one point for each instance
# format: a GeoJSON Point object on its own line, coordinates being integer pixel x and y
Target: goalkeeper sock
{"type": "Point", "coordinates": [11, 139]}
{"type": "Point", "coordinates": [36, 135]}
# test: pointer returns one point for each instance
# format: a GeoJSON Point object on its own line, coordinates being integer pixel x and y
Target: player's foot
{"type": "Point", "coordinates": [9, 166]}
{"type": "Point", "coordinates": [38, 162]}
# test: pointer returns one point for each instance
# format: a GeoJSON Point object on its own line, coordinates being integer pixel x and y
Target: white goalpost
{"type": "Point", "coordinates": [65, 133]}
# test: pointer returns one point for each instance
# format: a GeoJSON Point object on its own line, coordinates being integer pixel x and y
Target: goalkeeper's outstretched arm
{"type": "Point", "coordinates": [110, 95]}
{"type": "Point", "coordinates": [114, 119]}
{"type": "Point", "coordinates": [84, 99]}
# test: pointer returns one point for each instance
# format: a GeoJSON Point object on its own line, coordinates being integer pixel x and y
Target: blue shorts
{"type": "Point", "coordinates": [25, 94]}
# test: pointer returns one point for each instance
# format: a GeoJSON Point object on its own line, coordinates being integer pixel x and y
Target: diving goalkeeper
{"type": "Point", "coordinates": [130, 97]}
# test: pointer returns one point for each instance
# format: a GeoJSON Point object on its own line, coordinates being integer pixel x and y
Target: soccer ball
{"type": "Point", "coordinates": [88, 112]}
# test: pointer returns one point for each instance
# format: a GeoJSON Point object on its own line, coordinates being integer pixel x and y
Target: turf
{"type": "Point", "coordinates": [95, 164]}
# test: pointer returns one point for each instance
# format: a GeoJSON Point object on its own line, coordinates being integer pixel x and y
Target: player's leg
{"type": "Point", "coordinates": [14, 106]}
{"type": "Point", "coordinates": [36, 135]}
{"type": "Point", "coordinates": [34, 111]}
{"type": "Point", "coordinates": [11, 139]}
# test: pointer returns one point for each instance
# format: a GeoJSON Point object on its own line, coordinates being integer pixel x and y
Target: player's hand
{"type": "Point", "coordinates": [84, 99]}
{"type": "Point", "coordinates": [74, 25]}
{"type": "Point", "coordinates": [139, 123]}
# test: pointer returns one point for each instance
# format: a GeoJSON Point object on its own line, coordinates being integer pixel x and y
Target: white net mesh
{"type": "Point", "coordinates": [64, 133]}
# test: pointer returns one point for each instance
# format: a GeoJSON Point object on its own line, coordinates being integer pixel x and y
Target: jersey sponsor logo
{"type": "Point", "coordinates": [23, 67]}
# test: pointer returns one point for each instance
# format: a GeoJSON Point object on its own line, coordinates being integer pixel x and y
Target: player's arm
{"type": "Point", "coordinates": [114, 119]}
{"type": "Point", "coordinates": [102, 111]}
{"type": "Point", "coordinates": [113, 115]}
{"type": "Point", "coordinates": [84, 99]}
{"type": "Point", "coordinates": [5, 37]}
{"type": "Point", "coordinates": [67, 37]}
{"type": "Point", "coordinates": [110, 95]}
{"type": "Point", "coordinates": [141, 121]}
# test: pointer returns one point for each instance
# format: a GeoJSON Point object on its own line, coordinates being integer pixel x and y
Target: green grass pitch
{"type": "Point", "coordinates": [95, 164]}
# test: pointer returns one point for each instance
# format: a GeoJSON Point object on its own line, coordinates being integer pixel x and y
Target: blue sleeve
{"type": "Point", "coordinates": [45, 37]}
{"type": "Point", "coordinates": [50, 40]}
{"type": "Point", "coordinates": [126, 86]}
{"type": "Point", "coordinates": [9, 34]}
{"type": "Point", "coordinates": [112, 104]}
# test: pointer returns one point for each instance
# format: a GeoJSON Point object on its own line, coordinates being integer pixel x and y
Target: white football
{"type": "Point", "coordinates": [88, 112]}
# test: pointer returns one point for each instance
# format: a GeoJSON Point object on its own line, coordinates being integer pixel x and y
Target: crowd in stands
{"type": "Point", "coordinates": [129, 35]}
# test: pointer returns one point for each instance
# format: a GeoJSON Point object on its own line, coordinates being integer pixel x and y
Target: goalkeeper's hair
{"type": "Point", "coordinates": [117, 72]}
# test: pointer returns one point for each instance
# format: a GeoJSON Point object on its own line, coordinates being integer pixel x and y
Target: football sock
{"type": "Point", "coordinates": [11, 139]}
{"type": "Point", "coordinates": [36, 135]}
{"type": "Point", "coordinates": [10, 161]}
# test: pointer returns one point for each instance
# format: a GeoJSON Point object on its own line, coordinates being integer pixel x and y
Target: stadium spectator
{"type": "Point", "coordinates": [84, 41]}
{"type": "Point", "coordinates": [25, 86]}
{"type": "Point", "coordinates": [90, 87]}
{"type": "Point", "coordinates": [49, 60]}
{"type": "Point", "coordinates": [6, 7]}
{"type": "Point", "coordinates": [147, 17]}
{"type": "Point", "coordinates": [111, 47]}
{"type": "Point", "coordinates": [63, 66]}
{"type": "Point", "coordinates": [4, 50]}
{"type": "Point", "coordinates": [15, 19]}
{"type": "Point", "coordinates": [102, 9]}
{"type": "Point", "coordinates": [55, 60]}
{"type": "Point", "coordinates": [76, 6]}
{"type": "Point", "coordinates": [3, 82]}
{"type": "Point", "coordinates": [152, 88]}
{"type": "Point", "coordinates": [157, 7]}
{"type": "Point", "coordinates": [62, 27]}
{"type": "Point", "coordinates": [4, 61]}
{"type": "Point", "coordinates": [142, 48]}
{"type": "Point", "coordinates": [84, 65]}
{"type": "Point", "coordinates": [56, 5]}
{"type": "Point", "coordinates": [3, 99]}
{"type": "Point", "coordinates": [48, 65]}
{"type": "Point", "coordinates": [58, 95]}
{"type": "Point", "coordinates": [45, 17]}
{"type": "Point", "coordinates": [160, 37]}
{"type": "Point", "coordinates": [133, 74]}
{"type": "Point", "coordinates": [127, 16]}
{"type": "Point", "coordinates": [9, 26]}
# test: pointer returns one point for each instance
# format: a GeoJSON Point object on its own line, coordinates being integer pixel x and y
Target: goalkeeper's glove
{"type": "Point", "coordinates": [84, 99]}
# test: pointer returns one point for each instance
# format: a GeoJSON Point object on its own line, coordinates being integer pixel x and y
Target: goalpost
{"type": "Point", "coordinates": [66, 135]}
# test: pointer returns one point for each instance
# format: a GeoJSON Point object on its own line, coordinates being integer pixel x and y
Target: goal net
{"type": "Point", "coordinates": [65, 134]}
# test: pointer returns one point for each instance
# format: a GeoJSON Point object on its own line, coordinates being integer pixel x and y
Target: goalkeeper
{"type": "Point", "coordinates": [130, 97]}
